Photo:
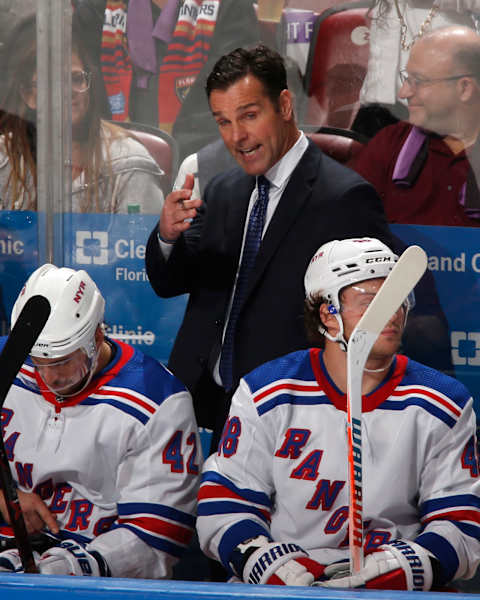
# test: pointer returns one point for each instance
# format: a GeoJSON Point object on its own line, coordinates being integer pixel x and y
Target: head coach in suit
{"type": "Point", "coordinates": [241, 251]}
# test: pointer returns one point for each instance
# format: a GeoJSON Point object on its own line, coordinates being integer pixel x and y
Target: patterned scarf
{"type": "Point", "coordinates": [116, 64]}
{"type": "Point", "coordinates": [187, 52]}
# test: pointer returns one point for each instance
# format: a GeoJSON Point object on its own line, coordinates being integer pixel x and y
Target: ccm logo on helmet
{"type": "Point", "coordinates": [79, 293]}
{"type": "Point", "coordinates": [378, 259]}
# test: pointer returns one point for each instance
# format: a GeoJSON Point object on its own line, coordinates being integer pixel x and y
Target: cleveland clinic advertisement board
{"type": "Point", "coordinates": [111, 248]}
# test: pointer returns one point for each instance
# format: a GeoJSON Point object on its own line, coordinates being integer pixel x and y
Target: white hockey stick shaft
{"type": "Point", "coordinates": [393, 292]}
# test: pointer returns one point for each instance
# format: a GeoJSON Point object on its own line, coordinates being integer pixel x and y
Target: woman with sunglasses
{"type": "Point", "coordinates": [111, 170]}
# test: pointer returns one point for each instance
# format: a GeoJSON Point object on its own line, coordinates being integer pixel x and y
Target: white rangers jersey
{"type": "Point", "coordinates": [281, 465]}
{"type": "Point", "coordinates": [118, 464]}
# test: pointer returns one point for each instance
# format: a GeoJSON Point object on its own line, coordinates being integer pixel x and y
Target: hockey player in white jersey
{"type": "Point", "coordinates": [102, 441]}
{"type": "Point", "coordinates": [273, 503]}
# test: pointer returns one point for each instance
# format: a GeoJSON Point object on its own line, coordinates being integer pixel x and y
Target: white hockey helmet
{"type": "Point", "coordinates": [77, 308]}
{"type": "Point", "coordinates": [340, 263]}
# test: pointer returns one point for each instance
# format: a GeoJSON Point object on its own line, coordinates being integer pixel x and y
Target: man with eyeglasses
{"type": "Point", "coordinates": [273, 503]}
{"type": "Point", "coordinates": [425, 169]}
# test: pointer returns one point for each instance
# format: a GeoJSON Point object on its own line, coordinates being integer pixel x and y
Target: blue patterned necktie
{"type": "Point", "coordinates": [253, 239]}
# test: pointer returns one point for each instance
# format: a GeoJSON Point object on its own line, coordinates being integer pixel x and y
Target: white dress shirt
{"type": "Point", "coordinates": [278, 176]}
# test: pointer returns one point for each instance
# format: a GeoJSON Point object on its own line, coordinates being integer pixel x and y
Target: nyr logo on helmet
{"type": "Point", "coordinates": [80, 292]}
{"type": "Point", "coordinates": [316, 257]}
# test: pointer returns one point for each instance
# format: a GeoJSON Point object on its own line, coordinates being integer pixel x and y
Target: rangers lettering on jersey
{"type": "Point", "coordinates": [90, 461]}
{"type": "Point", "coordinates": [282, 484]}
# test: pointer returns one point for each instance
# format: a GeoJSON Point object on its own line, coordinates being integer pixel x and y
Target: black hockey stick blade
{"type": "Point", "coordinates": [19, 343]}
{"type": "Point", "coordinates": [24, 334]}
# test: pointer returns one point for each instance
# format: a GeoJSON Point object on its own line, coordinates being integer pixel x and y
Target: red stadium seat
{"type": "Point", "coordinates": [337, 65]}
{"type": "Point", "coordinates": [162, 146]}
{"type": "Point", "coordinates": [340, 145]}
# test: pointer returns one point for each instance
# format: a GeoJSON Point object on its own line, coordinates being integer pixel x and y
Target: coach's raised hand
{"type": "Point", "coordinates": [178, 211]}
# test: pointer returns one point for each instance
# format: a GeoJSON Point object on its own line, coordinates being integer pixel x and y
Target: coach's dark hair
{"type": "Point", "coordinates": [262, 62]}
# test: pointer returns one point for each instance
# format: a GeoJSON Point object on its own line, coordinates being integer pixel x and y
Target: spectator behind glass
{"type": "Point", "coordinates": [426, 170]}
{"type": "Point", "coordinates": [156, 57]}
{"type": "Point", "coordinates": [395, 26]}
{"type": "Point", "coordinates": [111, 171]}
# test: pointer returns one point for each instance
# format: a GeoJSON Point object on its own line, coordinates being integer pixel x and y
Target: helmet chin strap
{"type": "Point", "coordinates": [381, 368]}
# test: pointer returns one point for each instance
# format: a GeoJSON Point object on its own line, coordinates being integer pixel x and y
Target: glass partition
{"type": "Point", "coordinates": [99, 109]}
{"type": "Point", "coordinates": [89, 176]}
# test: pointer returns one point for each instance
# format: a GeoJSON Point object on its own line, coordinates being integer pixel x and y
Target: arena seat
{"type": "Point", "coordinates": [161, 145]}
{"type": "Point", "coordinates": [341, 145]}
{"type": "Point", "coordinates": [337, 64]}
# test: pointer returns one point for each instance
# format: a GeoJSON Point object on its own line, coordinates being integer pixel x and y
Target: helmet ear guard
{"type": "Point", "coordinates": [339, 336]}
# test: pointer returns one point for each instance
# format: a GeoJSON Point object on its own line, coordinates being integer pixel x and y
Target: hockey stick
{"type": "Point", "coordinates": [394, 290]}
{"type": "Point", "coordinates": [26, 330]}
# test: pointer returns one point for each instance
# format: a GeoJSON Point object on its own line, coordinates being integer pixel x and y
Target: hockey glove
{"type": "Point", "coordinates": [70, 558]}
{"type": "Point", "coordinates": [399, 565]}
{"type": "Point", "coordinates": [275, 563]}
{"type": "Point", "coordinates": [10, 561]}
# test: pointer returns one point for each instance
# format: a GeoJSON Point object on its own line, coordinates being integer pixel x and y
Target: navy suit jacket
{"type": "Point", "coordinates": [323, 201]}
